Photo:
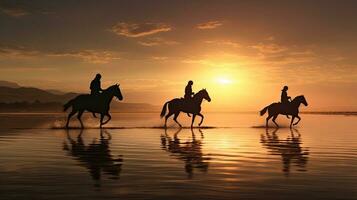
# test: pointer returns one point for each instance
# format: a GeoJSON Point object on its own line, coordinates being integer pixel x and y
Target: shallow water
{"type": "Point", "coordinates": [317, 160]}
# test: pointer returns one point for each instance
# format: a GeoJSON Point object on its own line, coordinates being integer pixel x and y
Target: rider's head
{"type": "Point", "coordinates": [190, 82]}
{"type": "Point", "coordinates": [285, 88]}
{"type": "Point", "coordinates": [98, 76]}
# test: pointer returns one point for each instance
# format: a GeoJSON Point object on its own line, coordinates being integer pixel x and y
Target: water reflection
{"type": "Point", "coordinates": [96, 156]}
{"type": "Point", "coordinates": [289, 149]}
{"type": "Point", "coordinates": [189, 151]}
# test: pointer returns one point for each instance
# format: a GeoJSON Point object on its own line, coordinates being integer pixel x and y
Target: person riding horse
{"type": "Point", "coordinates": [188, 94]}
{"type": "Point", "coordinates": [95, 87]}
{"type": "Point", "coordinates": [188, 91]}
{"type": "Point", "coordinates": [285, 99]}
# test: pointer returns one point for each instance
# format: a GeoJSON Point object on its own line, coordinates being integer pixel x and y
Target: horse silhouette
{"type": "Point", "coordinates": [96, 156]}
{"type": "Point", "coordinates": [93, 103]}
{"type": "Point", "coordinates": [292, 109]}
{"type": "Point", "coordinates": [290, 149]}
{"type": "Point", "coordinates": [189, 151]}
{"type": "Point", "coordinates": [192, 106]}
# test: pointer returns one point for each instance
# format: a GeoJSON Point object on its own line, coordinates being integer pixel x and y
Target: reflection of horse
{"type": "Point", "coordinates": [292, 108]}
{"type": "Point", "coordinates": [93, 103]}
{"type": "Point", "coordinates": [290, 150]}
{"type": "Point", "coordinates": [181, 105]}
{"type": "Point", "coordinates": [190, 152]}
{"type": "Point", "coordinates": [96, 157]}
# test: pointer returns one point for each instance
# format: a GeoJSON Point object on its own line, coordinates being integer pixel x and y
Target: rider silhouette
{"type": "Point", "coordinates": [285, 99]}
{"type": "Point", "coordinates": [95, 87]}
{"type": "Point", "coordinates": [188, 93]}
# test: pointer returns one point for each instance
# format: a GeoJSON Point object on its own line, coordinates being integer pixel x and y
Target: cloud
{"type": "Point", "coordinates": [90, 56]}
{"type": "Point", "coordinates": [160, 58]}
{"type": "Point", "coordinates": [209, 25]}
{"type": "Point", "coordinates": [139, 30]}
{"type": "Point", "coordinates": [223, 43]}
{"type": "Point", "coordinates": [17, 52]}
{"type": "Point", "coordinates": [19, 9]}
{"type": "Point", "coordinates": [14, 12]}
{"type": "Point", "coordinates": [269, 48]}
{"type": "Point", "coordinates": [157, 42]}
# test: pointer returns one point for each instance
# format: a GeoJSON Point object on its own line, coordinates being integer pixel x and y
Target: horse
{"type": "Point", "coordinates": [181, 105]}
{"type": "Point", "coordinates": [93, 103]}
{"type": "Point", "coordinates": [292, 109]}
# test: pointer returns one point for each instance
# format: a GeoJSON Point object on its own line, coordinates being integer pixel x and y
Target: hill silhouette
{"type": "Point", "coordinates": [30, 99]}
{"type": "Point", "coordinates": [9, 84]}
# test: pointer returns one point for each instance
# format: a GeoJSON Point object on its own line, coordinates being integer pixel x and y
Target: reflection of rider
{"type": "Point", "coordinates": [95, 85]}
{"type": "Point", "coordinates": [188, 91]}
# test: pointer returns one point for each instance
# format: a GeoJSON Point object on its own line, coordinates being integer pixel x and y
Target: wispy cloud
{"type": "Point", "coordinates": [18, 9]}
{"type": "Point", "coordinates": [14, 12]}
{"type": "Point", "coordinates": [17, 52]}
{"type": "Point", "coordinates": [139, 30]}
{"type": "Point", "coordinates": [223, 43]}
{"type": "Point", "coordinates": [269, 48]}
{"type": "Point", "coordinates": [209, 25]}
{"type": "Point", "coordinates": [157, 42]}
{"type": "Point", "coordinates": [90, 56]}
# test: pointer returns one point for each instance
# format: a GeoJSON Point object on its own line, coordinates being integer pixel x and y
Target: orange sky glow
{"type": "Point", "coordinates": [242, 52]}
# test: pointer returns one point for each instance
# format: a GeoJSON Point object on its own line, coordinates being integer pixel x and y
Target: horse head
{"type": "Point", "coordinates": [117, 92]}
{"type": "Point", "coordinates": [301, 99]}
{"type": "Point", "coordinates": [204, 94]}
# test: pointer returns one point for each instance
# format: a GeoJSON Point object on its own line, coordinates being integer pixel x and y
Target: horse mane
{"type": "Point", "coordinates": [109, 88]}
{"type": "Point", "coordinates": [297, 98]}
{"type": "Point", "coordinates": [199, 92]}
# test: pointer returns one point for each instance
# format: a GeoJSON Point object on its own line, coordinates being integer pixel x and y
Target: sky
{"type": "Point", "coordinates": [242, 52]}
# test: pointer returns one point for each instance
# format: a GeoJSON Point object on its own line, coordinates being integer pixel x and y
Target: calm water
{"type": "Point", "coordinates": [317, 160]}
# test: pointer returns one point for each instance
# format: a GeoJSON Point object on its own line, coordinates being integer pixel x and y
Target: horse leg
{"type": "Point", "coordinates": [297, 116]}
{"type": "Point", "coordinates": [292, 121]}
{"type": "Point", "coordinates": [267, 120]}
{"type": "Point", "coordinates": [193, 120]}
{"type": "Point", "coordinates": [175, 118]}
{"type": "Point", "coordinates": [69, 117]}
{"type": "Point", "coordinates": [166, 117]}
{"type": "Point", "coordinates": [109, 118]}
{"type": "Point", "coordinates": [199, 114]}
{"type": "Point", "coordinates": [101, 120]}
{"type": "Point", "coordinates": [274, 118]}
{"type": "Point", "coordinates": [79, 117]}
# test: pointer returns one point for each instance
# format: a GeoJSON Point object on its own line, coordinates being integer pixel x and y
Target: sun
{"type": "Point", "coordinates": [224, 80]}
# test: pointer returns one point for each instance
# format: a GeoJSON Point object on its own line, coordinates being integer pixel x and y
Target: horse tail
{"type": "Point", "coordinates": [262, 112]}
{"type": "Point", "coordinates": [68, 104]}
{"type": "Point", "coordinates": [163, 111]}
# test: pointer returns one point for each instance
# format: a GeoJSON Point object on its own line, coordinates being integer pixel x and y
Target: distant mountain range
{"type": "Point", "coordinates": [15, 98]}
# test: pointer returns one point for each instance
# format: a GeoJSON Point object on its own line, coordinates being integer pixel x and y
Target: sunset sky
{"type": "Point", "coordinates": [242, 52]}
